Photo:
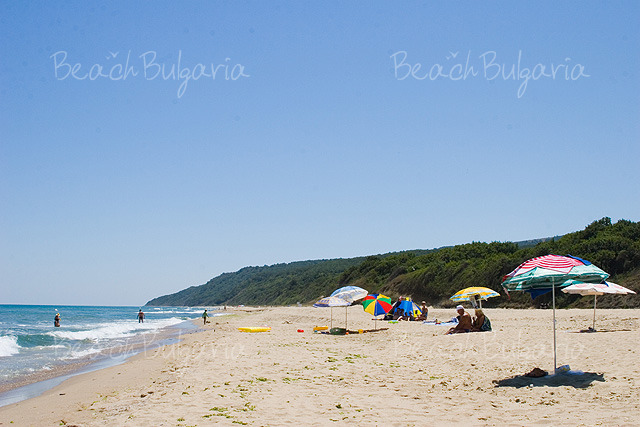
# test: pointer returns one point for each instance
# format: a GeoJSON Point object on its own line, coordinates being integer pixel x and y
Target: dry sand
{"type": "Point", "coordinates": [410, 374]}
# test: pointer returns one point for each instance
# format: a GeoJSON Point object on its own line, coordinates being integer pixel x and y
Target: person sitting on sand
{"type": "Point", "coordinates": [399, 315]}
{"type": "Point", "coordinates": [406, 315]}
{"type": "Point", "coordinates": [396, 304]}
{"type": "Point", "coordinates": [481, 322]}
{"type": "Point", "coordinates": [424, 311]}
{"type": "Point", "coordinates": [464, 322]}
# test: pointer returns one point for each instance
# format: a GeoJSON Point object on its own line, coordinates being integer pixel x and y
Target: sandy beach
{"type": "Point", "coordinates": [408, 374]}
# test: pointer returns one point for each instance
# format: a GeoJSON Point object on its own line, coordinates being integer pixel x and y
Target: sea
{"type": "Point", "coordinates": [33, 350]}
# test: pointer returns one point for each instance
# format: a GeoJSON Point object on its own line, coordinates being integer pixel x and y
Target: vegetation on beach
{"type": "Point", "coordinates": [430, 275]}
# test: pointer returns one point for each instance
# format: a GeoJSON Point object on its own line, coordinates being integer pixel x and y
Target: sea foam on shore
{"type": "Point", "coordinates": [31, 348]}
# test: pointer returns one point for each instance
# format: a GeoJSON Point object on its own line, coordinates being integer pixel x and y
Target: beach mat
{"type": "Point", "coordinates": [345, 332]}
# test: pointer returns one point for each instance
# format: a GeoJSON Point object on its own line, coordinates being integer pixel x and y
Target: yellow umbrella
{"type": "Point", "coordinates": [473, 293]}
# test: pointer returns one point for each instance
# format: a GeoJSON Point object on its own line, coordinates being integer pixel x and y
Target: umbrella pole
{"type": "Point", "coordinates": [331, 321]}
{"type": "Point", "coordinates": [553, 292]}
{"type": "Point", "coordinates": [480, 302]}
{"type": "Point", "coordinates": [595, 299]}
{"type": "Point", "coordinates": [345, 317]}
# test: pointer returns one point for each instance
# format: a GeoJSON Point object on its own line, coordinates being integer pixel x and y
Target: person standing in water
{"type": "Point", "coordinates": [204, 317]}
{"type": "Point", "coordinates": [140, 316]}
{"type": "Point", "coordinates": [56, 320]}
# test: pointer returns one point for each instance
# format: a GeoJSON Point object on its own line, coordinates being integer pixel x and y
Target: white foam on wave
{"type": "Point", "coordinates": [107, 331]}
{"type": "Point", "coordinates": [47, 347]}
{"type": "Point", "coordinates": [83, 353]}
{"type": "Point", "coordinates": [176, 312]}
{"type": "Point", "coordinates": [9, 346]}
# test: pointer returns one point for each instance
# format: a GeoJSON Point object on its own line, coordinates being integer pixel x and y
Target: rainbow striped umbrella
{"type": "Point", "coordinates": [376, 304]}
{"type": "Point", "coordinates": [474, 292]}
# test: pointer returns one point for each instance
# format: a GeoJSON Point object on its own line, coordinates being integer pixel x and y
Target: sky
{"type": "Point", "coordinates": [146, 147]}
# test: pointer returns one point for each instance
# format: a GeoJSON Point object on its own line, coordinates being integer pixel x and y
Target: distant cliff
{"type": "Point", "coordinates": [431, 275]}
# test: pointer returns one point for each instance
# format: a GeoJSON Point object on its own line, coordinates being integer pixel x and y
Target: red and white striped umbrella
{"type": "Point", "coordinates": [551, 262]}
{"type": "Point", "coordinates": [550, 271]}
{"type": "Point", "coordinates": [596, 289]}
{"type": "Point", "coordinates": [619, 289]}
{"type": "Point", "coordinates": [582, 288]}
{"type": "Point", "coordinates": [546, 273]}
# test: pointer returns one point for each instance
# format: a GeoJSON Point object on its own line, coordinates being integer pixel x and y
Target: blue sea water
{"type": "Point", "coordinates": [30, 344]}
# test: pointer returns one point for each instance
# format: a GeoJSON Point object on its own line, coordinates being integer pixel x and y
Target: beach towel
{"type": "Point", "coordinates": [452, 322]}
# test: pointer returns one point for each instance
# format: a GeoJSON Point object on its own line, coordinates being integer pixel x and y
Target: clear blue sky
{"type": "Point", "coordinates": [310, 142]}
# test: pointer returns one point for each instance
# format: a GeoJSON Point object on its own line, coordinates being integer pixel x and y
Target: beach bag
{"type": "Point", "coordinates": [486, 325]}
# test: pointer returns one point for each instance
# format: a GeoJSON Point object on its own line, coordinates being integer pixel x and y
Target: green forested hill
{"type": "Point", "coordinates": [279, 284]}
{"type": "Point", "coordinates": [431, 275]}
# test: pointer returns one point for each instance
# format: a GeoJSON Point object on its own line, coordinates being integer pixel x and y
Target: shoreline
{"type": "Point", "coordinates": [410, 374]}
{"type": "Point", "coordinates": [33, 385]}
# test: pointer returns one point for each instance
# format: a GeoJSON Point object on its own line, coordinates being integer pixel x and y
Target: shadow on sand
{"type": "Point", "coordinates": [571, 379]}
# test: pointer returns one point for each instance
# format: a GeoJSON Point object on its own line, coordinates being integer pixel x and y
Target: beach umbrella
{"type": "Point", "coordinates": [349, 294]}
{"type": "Point", "coordinates": [546, 273]}
{"type": "Point", "coordinates": [596, 289]}
{"type": "Point", "coordinates": [617, 289]}
{"type": "Point", "coordinates": [376, 304]}
{"type": "Point", "coordinates": [332, 302]}
{"type": "Point", "coordinates": [409, 306]}
{"type": "Point", "coordinates": [474, 293]}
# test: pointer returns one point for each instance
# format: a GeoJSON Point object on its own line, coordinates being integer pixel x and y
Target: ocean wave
{"type": "Point", "coordinates": [9, 346]}
{"type": "Point", "coordinates": [108, 331]}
